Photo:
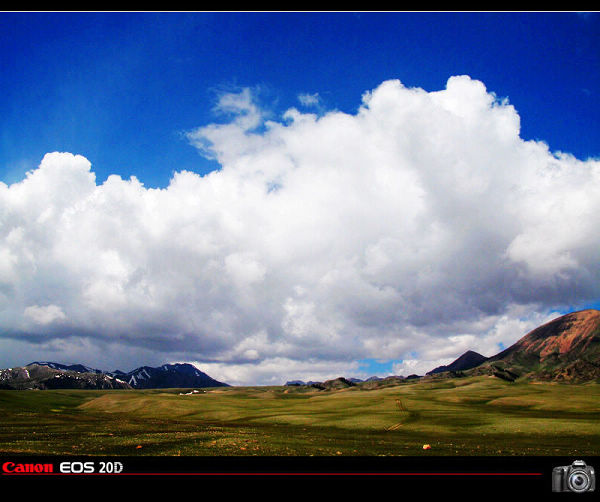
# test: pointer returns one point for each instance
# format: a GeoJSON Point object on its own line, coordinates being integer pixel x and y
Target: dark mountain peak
{"type": "Point", "coordinates": [295, 383]}
{"type": "Point", "coordinates": [186, 368]}
{"type": "Point", "coordinates": [178, 375]}
{"type": "Point", "coordinates": [468, 360]}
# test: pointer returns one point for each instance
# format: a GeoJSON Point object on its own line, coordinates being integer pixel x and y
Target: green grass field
{"type": "Point", "coordinates": [469, 416]}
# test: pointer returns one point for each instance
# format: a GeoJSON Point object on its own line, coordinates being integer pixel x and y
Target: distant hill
{"type": "Point", "coordinates": [343, 383]}
{"type": "Point", "coordinates": [566, 349]}
{"type": "Point", "coordinates": [336, 383]}
{"type": "Point", "coordinates": [373, 383]}
{"type": "Point", "coordinates": [144, 377]}
{"type": "Point", "coordinates": [295, 383]}
{"type": "Point", "coordinates": [468, 360]}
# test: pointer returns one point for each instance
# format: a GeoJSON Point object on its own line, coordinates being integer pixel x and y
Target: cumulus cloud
{"type": "Point", "coordinates": [279, 370]}
{"type": "Point", "coordinates": [419, 227]}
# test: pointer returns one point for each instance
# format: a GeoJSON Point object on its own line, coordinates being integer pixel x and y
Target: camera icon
{"type": "Point", "coordinates": [577, 477]}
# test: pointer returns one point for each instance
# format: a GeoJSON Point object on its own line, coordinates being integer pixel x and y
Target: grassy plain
{"type": "Point", "coordinates": [468, 416]}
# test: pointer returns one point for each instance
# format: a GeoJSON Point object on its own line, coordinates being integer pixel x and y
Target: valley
{"type": "Point", "coordinates": [479, 415]}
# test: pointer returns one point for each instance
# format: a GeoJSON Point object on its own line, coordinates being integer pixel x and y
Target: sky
{"type": "Point", "coordinates": [282, 196]}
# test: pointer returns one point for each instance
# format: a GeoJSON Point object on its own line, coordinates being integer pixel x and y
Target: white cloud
{"type": "Point", "coordinates": [278, 371]}
{"type": "Point", "coordinates": [416, 367]}
{"type": "Point", "coordinates": [44, 315]}
{"type": "Point", "coordinates": [415, 228]}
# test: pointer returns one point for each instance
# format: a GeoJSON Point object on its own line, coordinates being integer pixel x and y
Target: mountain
{"type": "Point", "coordinates": [565, 349]}
{"type": "Point", "coordinates": [80, 368]}
{"type": "Point", "coordinates": [168, 376]}
{"type": "Point", "coordinates": [468, 360]}
{"type": "Point", "coordinates": [41, 377]}
{"type": "Point", "coordinates": [147, 377]}
{"type": "Point", "coordinates": [295, 383]}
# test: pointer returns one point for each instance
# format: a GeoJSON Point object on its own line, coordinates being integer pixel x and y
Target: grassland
{"type": "Point", "coordinates": [469, 416]}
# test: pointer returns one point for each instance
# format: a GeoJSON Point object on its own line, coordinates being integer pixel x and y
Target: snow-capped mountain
{"type": "Point", "coordinates": [147, 377]}
{"type": "Point", "coordinates": [168, 376]}
{"type": "Point", "coordinates": [41, 376]}
{"type": "Point", "coordinates": [79, 368]}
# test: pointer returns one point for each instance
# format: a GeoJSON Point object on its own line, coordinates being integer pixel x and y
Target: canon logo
{"type": "Point", "coordinates": [12, 468]}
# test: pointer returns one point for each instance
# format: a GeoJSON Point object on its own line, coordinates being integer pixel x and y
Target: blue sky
{"type": "Point", "coordinates": [119, 88]}
{"type": "Point", "coordinates": [341, 193]}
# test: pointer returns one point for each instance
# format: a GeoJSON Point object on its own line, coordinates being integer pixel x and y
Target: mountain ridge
{"type": "Point", "coordinates": [178, 375]}
{"type": "Point", "coordinates": [42, 377]}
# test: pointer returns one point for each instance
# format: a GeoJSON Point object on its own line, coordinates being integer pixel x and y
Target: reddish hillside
{"type": "Point", "coordinates": [564, 349]}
